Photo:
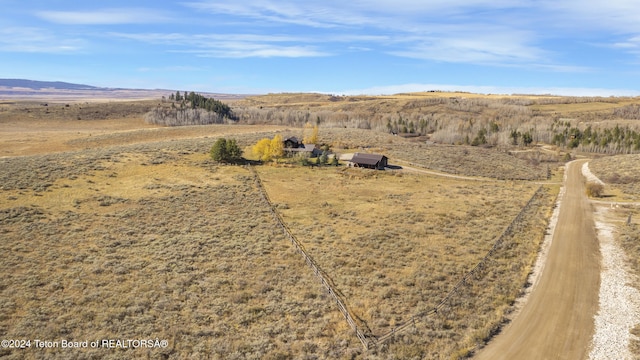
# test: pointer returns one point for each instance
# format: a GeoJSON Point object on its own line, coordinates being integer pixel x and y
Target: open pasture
{"type": "Point", "coordinates": [134, 232]}
{"type": "Point", "coordinates": [156, 244]}
{"type": "Point", "coordinates": [620, 174]}
{"type": "Point", "coordinates": [394, 244]}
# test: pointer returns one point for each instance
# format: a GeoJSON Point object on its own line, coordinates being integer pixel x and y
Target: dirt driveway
{"type": "Point", "coordinates": [557, 322]}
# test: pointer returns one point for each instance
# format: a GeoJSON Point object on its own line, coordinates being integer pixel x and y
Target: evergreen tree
{"type": "Point", "coordinates": [527, 139]}
{"type": "Point", "coordinates": [234, 152]}
{"type": "Point", "coordinates": [219, 150]}
{"type": "Point", "coordinates": [224, 150]}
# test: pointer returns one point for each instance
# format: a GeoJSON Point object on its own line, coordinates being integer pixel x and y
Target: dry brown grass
{"type": "Point", "coordinates": [455, 118]}
{"type": "Point", "coordinates": [157, 243]}
{"type": "Point", "coordinates": [621, 175]}
{"type": "Point", "coordinates": [155, 240]}
{"type": "Point", "coordinates": [28, 128]}
{"type": "Point", "coordinates": [394, 244]}
{"type": "Point", "coordinates": [459, 160]}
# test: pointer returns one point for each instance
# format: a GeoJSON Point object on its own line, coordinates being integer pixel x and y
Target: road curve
{"type": "Point", "coordinates": [557, 322]}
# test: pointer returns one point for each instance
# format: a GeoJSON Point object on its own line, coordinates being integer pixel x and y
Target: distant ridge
{"type": "Point", "coordinates": [38, 85]}
{"type": "Point", "coordinates": [52, 90]}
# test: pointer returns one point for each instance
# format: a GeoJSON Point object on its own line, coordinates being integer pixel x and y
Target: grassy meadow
{"type": "Point", "coordinates": [144, 242]}
{"type": "Point", "coordinates": [155, 240]}
{"type": "Point", "coordinates": [395, 243]}
{"type": "Point", "coordinates": [621, 176]}
{"type": "Point", "coordinates": [392, 242]}
{"type": "Point", "coordinates": [134, 232]}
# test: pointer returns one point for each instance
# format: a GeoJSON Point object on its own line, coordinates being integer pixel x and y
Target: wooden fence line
{"type": "Point", "coordinates": [367, 340]}
{"type": "Point", "coordinates": [507, 232]}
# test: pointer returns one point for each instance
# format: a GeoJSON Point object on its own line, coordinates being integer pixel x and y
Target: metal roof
{"type": "Point", "coordinates": [367, 159]}
{"type": "Point", "coordinates": [306, 148]}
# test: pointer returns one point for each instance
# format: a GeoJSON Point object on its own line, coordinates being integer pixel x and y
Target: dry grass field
{"type": "Point", "coordinates": [395, 244]}
{"type": "Point", "coordinates": [29, 128]}
{"type": "Point", "coordinates": [154, 242]}
{"type": "Point", "coordinates": [591, 124]}
{"type": "Point", "coordinates": [458, 160]}
{"type": "Point", "coordinates": [621, 174]}
{"type": "Point", "coordinates": [116, 229]}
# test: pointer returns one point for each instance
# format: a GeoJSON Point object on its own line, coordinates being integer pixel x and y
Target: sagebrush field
{"type": "Point", "coordinates": [113, 228]}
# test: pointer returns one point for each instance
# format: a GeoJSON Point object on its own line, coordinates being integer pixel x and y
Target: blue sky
{"type": "Point", "coordinates": [578, 47]}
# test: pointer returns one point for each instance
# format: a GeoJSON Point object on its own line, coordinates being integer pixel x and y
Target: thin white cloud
{"type": "Point", "coordinates": [439, 30]}
{"type": "Point", "coordinates": [632, 44]}
{"type": "Point", "coordinates": [171, 69]}
{"type": "Point", "coordinates": [476, 48]}
{"type": "Point", "coordinates": [231, 45]}
{"type": "Point", "coordinates": [181, 39]}
{"type": "Point", "coordinates": [594, 15]}
{"type": "Point", "coordinates": [247, 50]}
{"type": "Point", "coordinates": [104, 16]}
{"type": "Point", "coordinates": [428, 23]}
{"type": "Point", "coordinates": [309, 13]}
{"type": "Point", "coordinates": [37, 40]}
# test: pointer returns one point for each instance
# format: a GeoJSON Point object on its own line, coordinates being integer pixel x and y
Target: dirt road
{"type": "Point", "coordinates": [557, 322]}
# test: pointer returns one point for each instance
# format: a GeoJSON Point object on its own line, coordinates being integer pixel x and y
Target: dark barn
{"type": "Point", "coordinates": [369, 161]}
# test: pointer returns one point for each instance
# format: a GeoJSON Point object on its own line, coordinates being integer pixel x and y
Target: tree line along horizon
{"type": "Point", "coordinates": [509, 123]}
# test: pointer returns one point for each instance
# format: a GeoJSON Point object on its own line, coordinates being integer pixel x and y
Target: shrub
{"type": "Point", "coordinates": [594, 189]}
{"type": "Point", "coordinates": [224, 150]}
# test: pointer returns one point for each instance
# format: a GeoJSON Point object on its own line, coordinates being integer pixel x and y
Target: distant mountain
{"type": "Point", "coordinates": [50, 90]}
{"type": "Point", "coordinates": [38, 85]}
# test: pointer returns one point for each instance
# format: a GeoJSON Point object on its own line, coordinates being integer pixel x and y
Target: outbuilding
{"type": "Point", "coordinates": [369, 161]}
{"type": "Point", "coordinates": [292, 143]}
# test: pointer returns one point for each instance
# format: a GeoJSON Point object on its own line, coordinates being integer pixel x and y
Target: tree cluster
{"type": "Point", "coordinates": [615, 140]}
{"type": "Point", "coordinates": [269, 149]}
{"type": "Point", "coordinates": [191, 109]}
{"type": "Point", "coordinates": [226, 151]}
{"type": "Point", "coordinates": [459, 120]}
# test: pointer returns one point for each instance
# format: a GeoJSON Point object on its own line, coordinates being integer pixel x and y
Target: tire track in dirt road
{"type": "Point", "coordinates": [557, 322]}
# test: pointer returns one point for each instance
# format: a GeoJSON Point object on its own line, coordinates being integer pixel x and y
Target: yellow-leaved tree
{"type": "Point", "coordinates": [277, 147]}
{"type": "Point", "coordinates": [267, 149]}
{"type": "Point", "coordinates": [310, 138]}
{"type": "Point", "coordinates": [262, 149]}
